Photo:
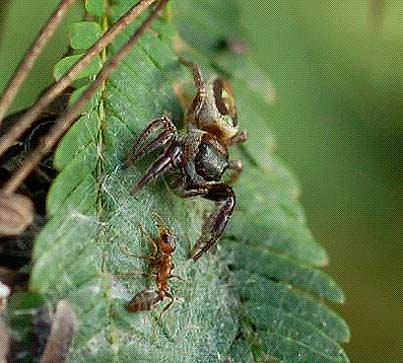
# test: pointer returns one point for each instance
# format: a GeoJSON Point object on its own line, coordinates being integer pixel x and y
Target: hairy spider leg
{"type": "Point", "coordinates": [198, 101]}
{"type": "Point", "coordinates": [239, 138]}
{"type": "Point", "coordinates": [224, 197]}
{"type": "Point", "coordinates": [194, 192]}
{"type": "Point", "coordinates": [236, 167]}
{"type": "Point", "coordinates": [162, 164]}
{"type": "Point", "coordinates": [165, 132]}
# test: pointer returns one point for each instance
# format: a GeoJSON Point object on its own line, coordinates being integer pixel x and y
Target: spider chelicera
{"type": "Point", "coordinates": [194, 163]}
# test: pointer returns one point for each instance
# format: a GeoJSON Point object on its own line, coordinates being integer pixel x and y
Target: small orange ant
{"type": "Point", "coordinates": [162, 265]}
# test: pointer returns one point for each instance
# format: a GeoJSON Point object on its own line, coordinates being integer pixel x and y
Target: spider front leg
{"type": "Point", "coordinates": [162, 131]}
{"type": "Point", "coordinates": [224, 197]}
{"type": "Point", "coordinates": [200, 97]}
{"type": "Point", "coordinates": [161, 165]}
{"type": "Point", "coordinates": [239, 138]}
{"type": "Point", "coordinates": [236, 168]}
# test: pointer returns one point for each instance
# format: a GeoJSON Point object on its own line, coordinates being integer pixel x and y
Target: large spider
{"type": "Point", "coordinates": [194, 162]}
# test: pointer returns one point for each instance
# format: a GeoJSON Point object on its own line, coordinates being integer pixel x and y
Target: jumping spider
{"type": "Point", "coordinates": [194, 162]}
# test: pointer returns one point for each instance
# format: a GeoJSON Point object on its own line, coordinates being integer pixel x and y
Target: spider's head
{"type": "Point", "coordinates": [218, 114]}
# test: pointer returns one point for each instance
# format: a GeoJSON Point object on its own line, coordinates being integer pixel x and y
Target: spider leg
{"type": "Point", "coordinates": [236, 167]}
{"type": "Point", "coordinates": [194, 68]}
{"type": "Point", "coordinates": [239, 138]}
{"type": "Point", "coordinates": [198, 101]}
{"type": "Point", "coordinates": [194, 192]}
{"type": "Point", "coordinates": [162, 164]}
{"type": "Point", "coordinates": [213, 227]}
{"type": "Point", "coordinates": [162, 130]}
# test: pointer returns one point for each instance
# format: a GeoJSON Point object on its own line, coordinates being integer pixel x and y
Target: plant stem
{"type": "Point", "coordinates": [63, 329]}
{"type": "Point", "coordinates": [65, 122]}
{"type": "Point", "coordinates": [54, 91]}
{"type": "Point", "coordinates": [32, 55]}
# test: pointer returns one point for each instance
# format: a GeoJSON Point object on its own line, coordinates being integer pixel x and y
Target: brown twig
{"type": "Point", "coordinates": [32, 114]}
{"type": "Point", "coordinates": [65, 122]}
{"type": "Point", "coordinates": [61, 335]}
{"type": "Point", "coordinates": [31, 55]}
{"type": "Point", "coordinates": [16, 214]}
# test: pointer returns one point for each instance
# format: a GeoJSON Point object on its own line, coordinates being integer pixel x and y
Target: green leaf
{"type": "Point", "coordinates": [95, 7]}
{"type": "Point", "coordinates": [83, 35]}
{"type": "Point", "coordinates": [261, 296]}
{"type": "Point", "coordinates": [64, 65]}
{"type": "Point", "coordinates": [277, 251]}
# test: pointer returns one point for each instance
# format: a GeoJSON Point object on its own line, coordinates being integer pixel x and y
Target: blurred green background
{"type": "Point", "coordinates": [337, 67]}
{"type": "Point", "coordinates": [338, 70]}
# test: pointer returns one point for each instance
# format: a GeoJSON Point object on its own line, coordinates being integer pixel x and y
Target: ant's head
{"type": "Point", "coordinates": [167, 242]}
{"type": "Point", "coordinates": [218, 114]}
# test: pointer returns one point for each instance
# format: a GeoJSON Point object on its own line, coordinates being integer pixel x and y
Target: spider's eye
{"type": "Point", "coordinates": [224, 99]}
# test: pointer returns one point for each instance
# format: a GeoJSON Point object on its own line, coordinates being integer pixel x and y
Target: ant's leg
{"type": "Point", "coordinates": [126, 251]}
{"type": "Point", "coordinates": [162, 131]}
{"type": "Point", "coordinates": [236, 167]}
{"type": "Point", "coordinates": [163, 229]}
{"type": "Point", "coordinates": [152, 260]}
{"type": "Point", "coordinates": [169, 306]}
{"type": "Point", "coordinates": [180, 278]}
{"type": "Point", "coordinates": [153, 243]}
{"type": "Point", "coordinates": [135, 274]}
{"type": "Point", "coordinates": [162, 164]}
{"type": "Point", "coordinates": [198, 101]}
{"type": "Point", "coordinates": [213, 227]}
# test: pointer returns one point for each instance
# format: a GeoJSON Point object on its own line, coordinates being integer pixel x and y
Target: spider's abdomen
{"type": "Point", "coordinates": [211, 161]}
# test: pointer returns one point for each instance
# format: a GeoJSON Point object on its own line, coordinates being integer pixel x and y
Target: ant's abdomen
{"type": "Point", "coordinates": [145, 300]}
